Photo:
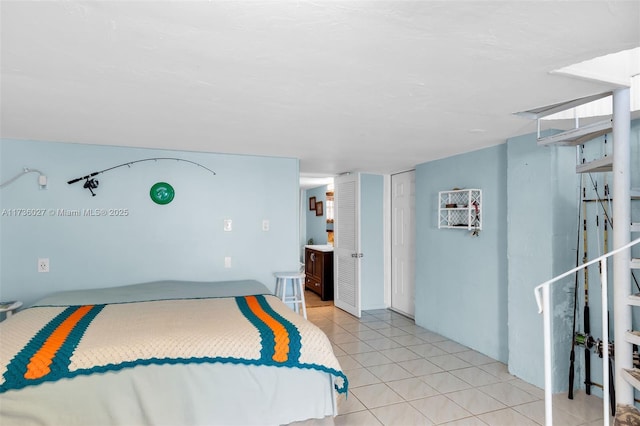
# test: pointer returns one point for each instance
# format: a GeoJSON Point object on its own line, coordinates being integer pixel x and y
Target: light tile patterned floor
{"type": "Point", "coordinates": [401, 374]}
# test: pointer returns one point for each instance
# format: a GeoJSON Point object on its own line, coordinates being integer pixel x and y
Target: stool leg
{"type": "Point", "coordinates": [282, 288]}
{"type": "Point", "coordinates": [302, 301]}
{"type": "Point", "coordinates": [296, 296]}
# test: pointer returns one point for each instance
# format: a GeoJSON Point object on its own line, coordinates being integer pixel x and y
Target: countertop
{"type": "Point", "coordinates": [325, 247]}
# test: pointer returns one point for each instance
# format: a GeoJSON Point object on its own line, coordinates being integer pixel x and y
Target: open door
{"type": "Point", "coordinates": [346, 247]}
{"type": "Point", "coordinates": [403, 229]}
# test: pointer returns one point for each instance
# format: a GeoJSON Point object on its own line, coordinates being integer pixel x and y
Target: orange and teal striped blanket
{"type": "Point", "coordinates": [48, 343]}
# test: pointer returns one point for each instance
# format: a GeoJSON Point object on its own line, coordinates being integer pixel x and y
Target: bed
{"type": "Point", "coordinates": [167, 352]}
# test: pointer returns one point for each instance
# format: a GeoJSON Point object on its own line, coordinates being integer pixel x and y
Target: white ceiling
{"type": "Point", "coordinates": [373, 86]}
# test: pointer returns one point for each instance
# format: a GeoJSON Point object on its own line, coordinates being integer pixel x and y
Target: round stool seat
{"type": "Point", "coordinates": [288, 275]}
{"type": "Point", "coordinates": [294, 295]}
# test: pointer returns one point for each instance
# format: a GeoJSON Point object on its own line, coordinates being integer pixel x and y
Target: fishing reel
{"type": "Point", "coordinates": [91, 184]}
{"type": "Point", "coordinates": [586, 340]}
{"type": "Point", "coordinates": [600, 348]}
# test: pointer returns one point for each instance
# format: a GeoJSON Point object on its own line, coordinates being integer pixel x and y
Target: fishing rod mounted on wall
{"type": "Point", "coordinates": [91, 183]}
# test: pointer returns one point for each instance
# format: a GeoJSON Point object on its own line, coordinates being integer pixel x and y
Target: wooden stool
{"type": "Point", "coordinates": [296, 297]}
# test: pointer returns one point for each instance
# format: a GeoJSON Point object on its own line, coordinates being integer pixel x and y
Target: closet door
{"type": "Point", "coordinates": [403, 249]}
{"type": "Point", "coordinates": [346, 251]}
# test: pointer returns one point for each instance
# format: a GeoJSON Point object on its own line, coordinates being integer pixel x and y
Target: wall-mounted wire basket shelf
{"type": "Point", "coordinates": [460, 209]}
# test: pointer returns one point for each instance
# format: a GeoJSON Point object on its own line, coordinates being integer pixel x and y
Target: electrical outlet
{"type": "Point", "coordinates": [227, 225]}
{"type": "Point", "coordinates": [227, 262]}
{"type": "Point", "coordinates": [265, 225]}
{"type": "Point", "coordinates": [43, 264]}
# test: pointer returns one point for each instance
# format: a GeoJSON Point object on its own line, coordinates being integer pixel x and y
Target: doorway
{"type": "Point", "coordinates": [403, 244]}
{"type": "Point", "coordinates": [316, 218]}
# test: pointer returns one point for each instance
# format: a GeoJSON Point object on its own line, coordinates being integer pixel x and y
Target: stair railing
{"type": "Point", "coordinates": [543, 299]}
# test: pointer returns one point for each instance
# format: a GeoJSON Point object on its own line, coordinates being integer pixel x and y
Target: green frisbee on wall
{"type": "Point", "coordinates": [162, 193]}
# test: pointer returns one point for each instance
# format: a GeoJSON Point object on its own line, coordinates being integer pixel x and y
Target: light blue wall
{"type": "Point", "coordinates": [461, 280]}
{"type": "Point", "coordinates": [182, 240]}
{"type": "Point", "coordinates": [317, 225]}
{"type": "Point", "coordinates": [542, 193]}
{"type": "Point", "coordinates": [479, 291]}
{"type": "Point", "coordinates": [372, 241]}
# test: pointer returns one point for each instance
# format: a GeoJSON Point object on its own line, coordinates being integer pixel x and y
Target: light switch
{"type": "Point", "coordinates": [43, 264]}
{"type": "Point", "coordinates": [227, 225]}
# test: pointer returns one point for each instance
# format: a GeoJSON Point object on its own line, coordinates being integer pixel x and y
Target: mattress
{"type": "Point", "coordinates": [166, 353]}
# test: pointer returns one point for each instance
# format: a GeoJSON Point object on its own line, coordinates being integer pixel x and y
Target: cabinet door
{"type": "Point", "coordinates": [308, 262]}
{"type": "Point", "coordinates": [314, 264]}
{"type": "Point", "coordinates": [318, 266]}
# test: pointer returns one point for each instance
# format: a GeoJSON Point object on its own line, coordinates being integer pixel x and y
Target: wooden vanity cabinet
{"type": "Point", "coordinates": [318, 268]}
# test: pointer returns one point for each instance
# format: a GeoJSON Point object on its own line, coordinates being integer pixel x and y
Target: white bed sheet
{"type": "Point", "coordinates": [214, 394]}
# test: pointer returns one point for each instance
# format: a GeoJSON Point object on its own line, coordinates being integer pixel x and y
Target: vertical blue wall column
{"type": "Point", "coordinates": [542, 193]}
{"type": "Point", "coordinates": [372, 241]}
{"type": "Point", "coordinates": [461, 280]}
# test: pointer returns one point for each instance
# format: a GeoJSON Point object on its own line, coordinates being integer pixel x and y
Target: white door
{"type": "Point", "coordinates": [346, 245]}
{"type": "Point", "coordinates": [403, 248]}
